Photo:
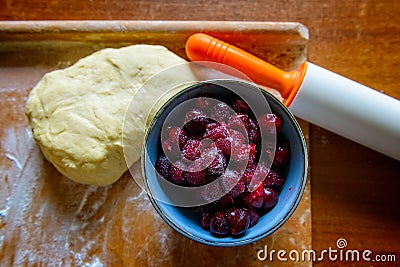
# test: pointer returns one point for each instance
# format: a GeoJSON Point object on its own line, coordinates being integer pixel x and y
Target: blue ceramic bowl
{"type": "Point", "coordinates": [184, 220]}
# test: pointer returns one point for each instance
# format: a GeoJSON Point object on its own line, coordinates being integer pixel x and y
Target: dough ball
{"type": "Point", "coordinates": [77, 114]}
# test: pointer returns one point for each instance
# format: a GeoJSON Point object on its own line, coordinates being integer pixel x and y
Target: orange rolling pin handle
{"type": "Point", "coordinates": [202, 47]}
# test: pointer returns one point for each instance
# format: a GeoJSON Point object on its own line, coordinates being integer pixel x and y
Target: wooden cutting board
{"type": "Point", "coordinates": [46, 219]}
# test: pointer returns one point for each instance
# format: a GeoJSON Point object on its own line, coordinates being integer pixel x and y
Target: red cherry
{"type": "Point", "coordinates": [240, 106]}
{"type": "Point", "coordinates": [176, 173]}
{"type": "Point", "coordinates": [195, 178]}
{"type": "Point", "coordinates": [254, 199]}
{"type": "Point", "coordinates": [195, 121]}
{"type": "Point", "coordinates": [221, 112]}
{"type": "Point", "coordinates": [273, 180]}
{"type": "Point", "coordinates": [215, 131]}
{"type": "Point", "coordinates": [282, 154]}
{"type": "Point", "coordinates": [270, 199]}
{"type": "Point", "coordinates": [268, 120]}
{"type": "Point", "coordinates": [205, 220]}
{"type": "Point", "coordinates": [217, 166]}
{"type": "Point", "coordinates": [171, 147]}
{"type": "Point", "coordinates": [238, 219]}
{"type": "Point", "coordinates": [254, 217]}
{"type": "Point", "coordinates": [203, 103]}
{"type": "Point", "coordinates": [224, 144]}
{"type": "Point", "coordinates": [219, 224]}
{"type": "Point", "coordinates": [178, 133]}
{"type": "Point", "coordinates": [162, 166]}
{"type": "Point", "coordinates": [191, 150]}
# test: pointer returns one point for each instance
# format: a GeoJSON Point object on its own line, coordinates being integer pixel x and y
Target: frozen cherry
{"type": "Point", "coordinates": [217, 166]}
{"type": "Point", "coordinates": [230, 179]}
{"type": "Point", "coordinates": [260, 173]}
{"type": "Point", "coordinates": [195, 121]}
{"type": "Point", "coordinates": [203, 103]}
{"type": "Point", "coordinates": [248, 174]}
{"type": "Point", "coordinates": [254, 217]}
{"type": "Point", "coordinates": [238, 219]}
{"type": "Point", "coordinates": [268, 121]}
{"type": "Point", "coordinates": [176, 173]}
{"type": "Point", "coordinates": [270, 199]}
{"type": "Point", "coordinates": [254, 199]}
{"type": "Point", "coordinates": [213, 124]}
{"type": "Point", "coordinates": [197, 137]}
{"type": "Point", "coordinates": [195, 178]}
{"type": "Point", "coordinates": [215, 131]}
{"type": "Point", "coordinates": [178, 133]}
{"type": "Point", "coordinates": [253, 132]}
{"type": "Point", "coordinates": [162, 166]}
{"type": "Point", "coordinates": [226, 201]}
{"type": "Point", "coordinates": [238, 189]}
{"type": "Point", "coordinates": [237, 138]}
{"type": "Point", "coordinates": [243, 153]}
{"type": "Point", "coordinates": [240, 106]}
{"type": "Point", "coordinates": [252, 154]}
{"type": "Point", "coordinates": [210, 126]}
{"type": "Point", "coordinates": [219, 224]}
{"type": "Point", "coordinates": [205, 220]}
{"type": "Point", "coordinates": [282, 154]}
{"type": "Point", "coordinates": [165, 131]}
{"type": "Point", "coordinates": [273, 180]}
{"type": "Point", "coordinates": [254, 174]}
{"type": "Point", "coordinates": [224, 144]}
{"type": "Point", "coordinates": [221, 112]}
{"type": "Point", "coordinates": [238, 121]}
{"type": "Point", "coordinates": [254, 136]}
{"type": "Point", "coordinates": [191, 150]}
{"type": "Point", "coordinates": [203, 209]}
{"type": "Point", "coordinates": [171, 147]}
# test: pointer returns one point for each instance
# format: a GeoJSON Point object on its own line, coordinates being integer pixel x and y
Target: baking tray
{"type": "Point", "coordinates": [46, 219]}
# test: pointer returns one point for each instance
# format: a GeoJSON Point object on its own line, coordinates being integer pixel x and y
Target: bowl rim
{"type": "Point", "coordinates": [239, 242]}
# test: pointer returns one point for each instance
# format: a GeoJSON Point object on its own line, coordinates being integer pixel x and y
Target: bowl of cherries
{"type": "Point", "coordinates": [224, 163]}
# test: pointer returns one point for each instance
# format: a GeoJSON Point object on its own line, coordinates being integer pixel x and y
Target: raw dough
{"type": "Point", "coordinates": [77, 113]}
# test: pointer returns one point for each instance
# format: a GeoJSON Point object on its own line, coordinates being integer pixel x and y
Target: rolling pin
{"type": "Point", "coordinates": [316, 95]}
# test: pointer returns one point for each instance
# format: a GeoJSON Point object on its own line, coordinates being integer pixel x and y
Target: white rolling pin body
{"type": "Point", "coordinates": [349, 109]}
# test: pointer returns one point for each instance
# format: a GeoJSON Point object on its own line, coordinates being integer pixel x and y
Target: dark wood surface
{"type": "Point", "coordinates": [355, 191]}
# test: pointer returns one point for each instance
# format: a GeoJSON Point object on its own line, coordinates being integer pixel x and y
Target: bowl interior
{"type": "Point", "coordinates": [184, 220]}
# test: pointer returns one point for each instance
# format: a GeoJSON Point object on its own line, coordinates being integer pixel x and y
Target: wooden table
{"type": "Point", "coordinates": [354, 189]}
